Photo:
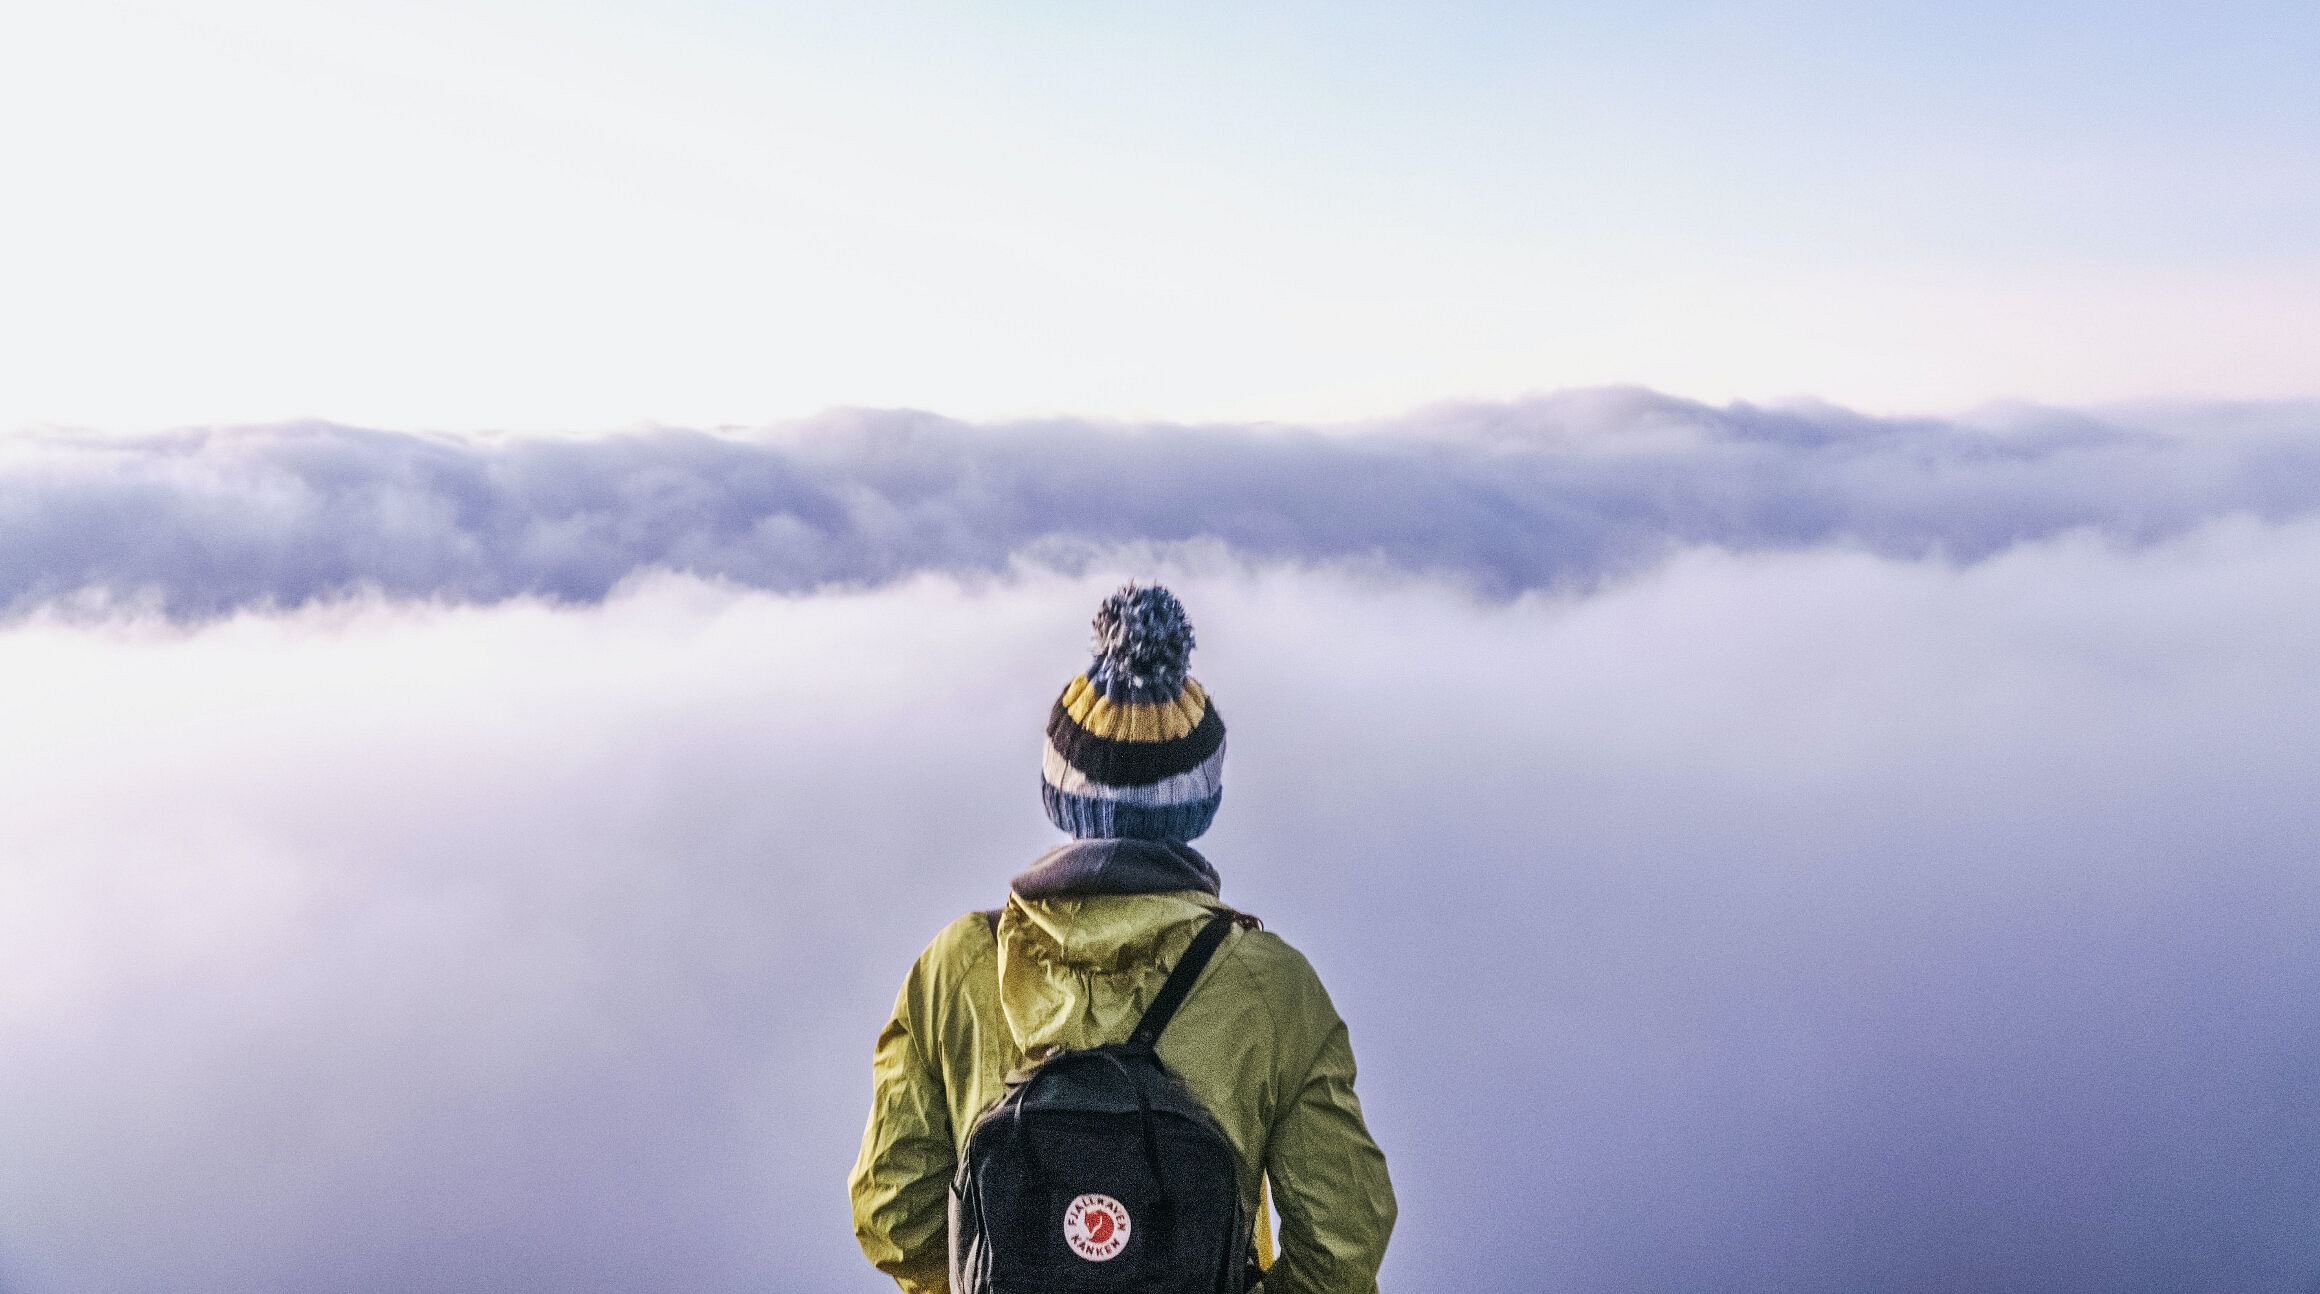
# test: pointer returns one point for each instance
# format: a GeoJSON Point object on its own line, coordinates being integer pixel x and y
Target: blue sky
{"type": "Point", "coordinates": [511, 214]}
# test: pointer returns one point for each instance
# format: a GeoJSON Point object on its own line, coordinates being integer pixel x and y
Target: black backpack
{"type": "Point", "coordinates": [1099, 1171]}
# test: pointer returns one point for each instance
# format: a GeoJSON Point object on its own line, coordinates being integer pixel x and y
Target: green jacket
{"type": "Point", "coordinates": [1257, 1042]}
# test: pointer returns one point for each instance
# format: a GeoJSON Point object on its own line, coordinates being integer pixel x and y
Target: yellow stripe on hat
{"type": "Point", "coordinates": [1152, 721]}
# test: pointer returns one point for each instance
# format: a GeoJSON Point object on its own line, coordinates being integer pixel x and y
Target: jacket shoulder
{"type": "Point", "coordinates": [1262, 950]}
{"type": "Point", "coordinates": [956, 949]}
{"type": "Point", "coordinates": [963, 940]}
{"type": "Point", "coordinates": [957, 952]}
{"type": "Point", "coordinates": [1267, 949]}
{"type": "Point", "coordinates": [1274, 971]}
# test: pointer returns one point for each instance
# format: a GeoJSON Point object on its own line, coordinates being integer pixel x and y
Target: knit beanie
{"type": "Point", "coordinates": [1134, 749]}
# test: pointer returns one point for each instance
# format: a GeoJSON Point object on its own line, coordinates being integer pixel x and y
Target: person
{"type": "Point", "coordinates": [1132, 772]}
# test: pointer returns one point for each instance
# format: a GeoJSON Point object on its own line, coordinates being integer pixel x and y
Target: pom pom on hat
{"type": "Point", "coordinates": [1134, 747]}
{"type": "Point", "coordinates": [1143, 645]}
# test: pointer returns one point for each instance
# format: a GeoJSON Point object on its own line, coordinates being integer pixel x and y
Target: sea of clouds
{"type": "Point", "coordinates": [1562, 492]}
{"type": "Point", "coordinates": [1754, 849]}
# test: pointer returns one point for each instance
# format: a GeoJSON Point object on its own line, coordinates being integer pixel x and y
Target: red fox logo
{"type": "Point", "coordinates": [1096, 1227]}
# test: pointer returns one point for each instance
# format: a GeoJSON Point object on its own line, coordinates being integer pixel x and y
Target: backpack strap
{"type": "Point", "coordinates": [1180, 980]}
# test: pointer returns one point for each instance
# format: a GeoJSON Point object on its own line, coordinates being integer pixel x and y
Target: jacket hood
{"type": "Point", "coordinates": [1089, 933]}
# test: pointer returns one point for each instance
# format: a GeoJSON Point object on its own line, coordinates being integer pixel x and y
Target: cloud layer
{"type": "Point", "coordinates": [1562, 492]}
{"type": "Point", "coordinates": [1812, 919]}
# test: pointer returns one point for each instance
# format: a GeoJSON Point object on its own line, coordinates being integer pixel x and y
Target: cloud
{"type": "Point", "coordinates": [1794, 919]}
{"type": "Point", "coordinates": [1561, 492]}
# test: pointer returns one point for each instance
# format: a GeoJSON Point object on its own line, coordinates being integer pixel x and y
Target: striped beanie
{"type": "Point", "coordinates": [1134, 749]}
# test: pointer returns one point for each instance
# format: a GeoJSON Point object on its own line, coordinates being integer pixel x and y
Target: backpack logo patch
{"type": "Point", "coordinates": [1096, 1227]}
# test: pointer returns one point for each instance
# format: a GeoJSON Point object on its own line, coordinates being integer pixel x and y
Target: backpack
{"type": "Point", "coordinates": [1099, 1171]}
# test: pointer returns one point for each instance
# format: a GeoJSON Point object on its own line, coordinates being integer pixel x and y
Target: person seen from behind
{"type": "Point", "coordinates": [1110, 1081]}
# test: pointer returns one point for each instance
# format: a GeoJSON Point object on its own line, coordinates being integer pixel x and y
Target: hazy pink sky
{"type": "Point", "coordinates": [514, 214]}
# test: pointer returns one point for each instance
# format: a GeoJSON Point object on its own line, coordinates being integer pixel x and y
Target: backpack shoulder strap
{"type": "Point", "coordinates": [1180, 980]}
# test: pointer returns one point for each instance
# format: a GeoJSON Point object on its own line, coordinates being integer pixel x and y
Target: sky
{"type": "Point", "coordinates": [503, 215]}
{"type": "Point", "coordinates": [1758, 564]}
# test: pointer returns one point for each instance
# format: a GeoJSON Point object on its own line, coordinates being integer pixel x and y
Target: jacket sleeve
{"type": "Point", "coordinates": [901, 1181]}
{"type": "Point", "coordinates": [1329, 1183]}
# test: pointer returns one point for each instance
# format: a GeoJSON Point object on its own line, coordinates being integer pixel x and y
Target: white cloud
{"type": "Point", "coordinates": [1560, 491]}
{"type": "Point", "coordinates": [1780, 920]}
